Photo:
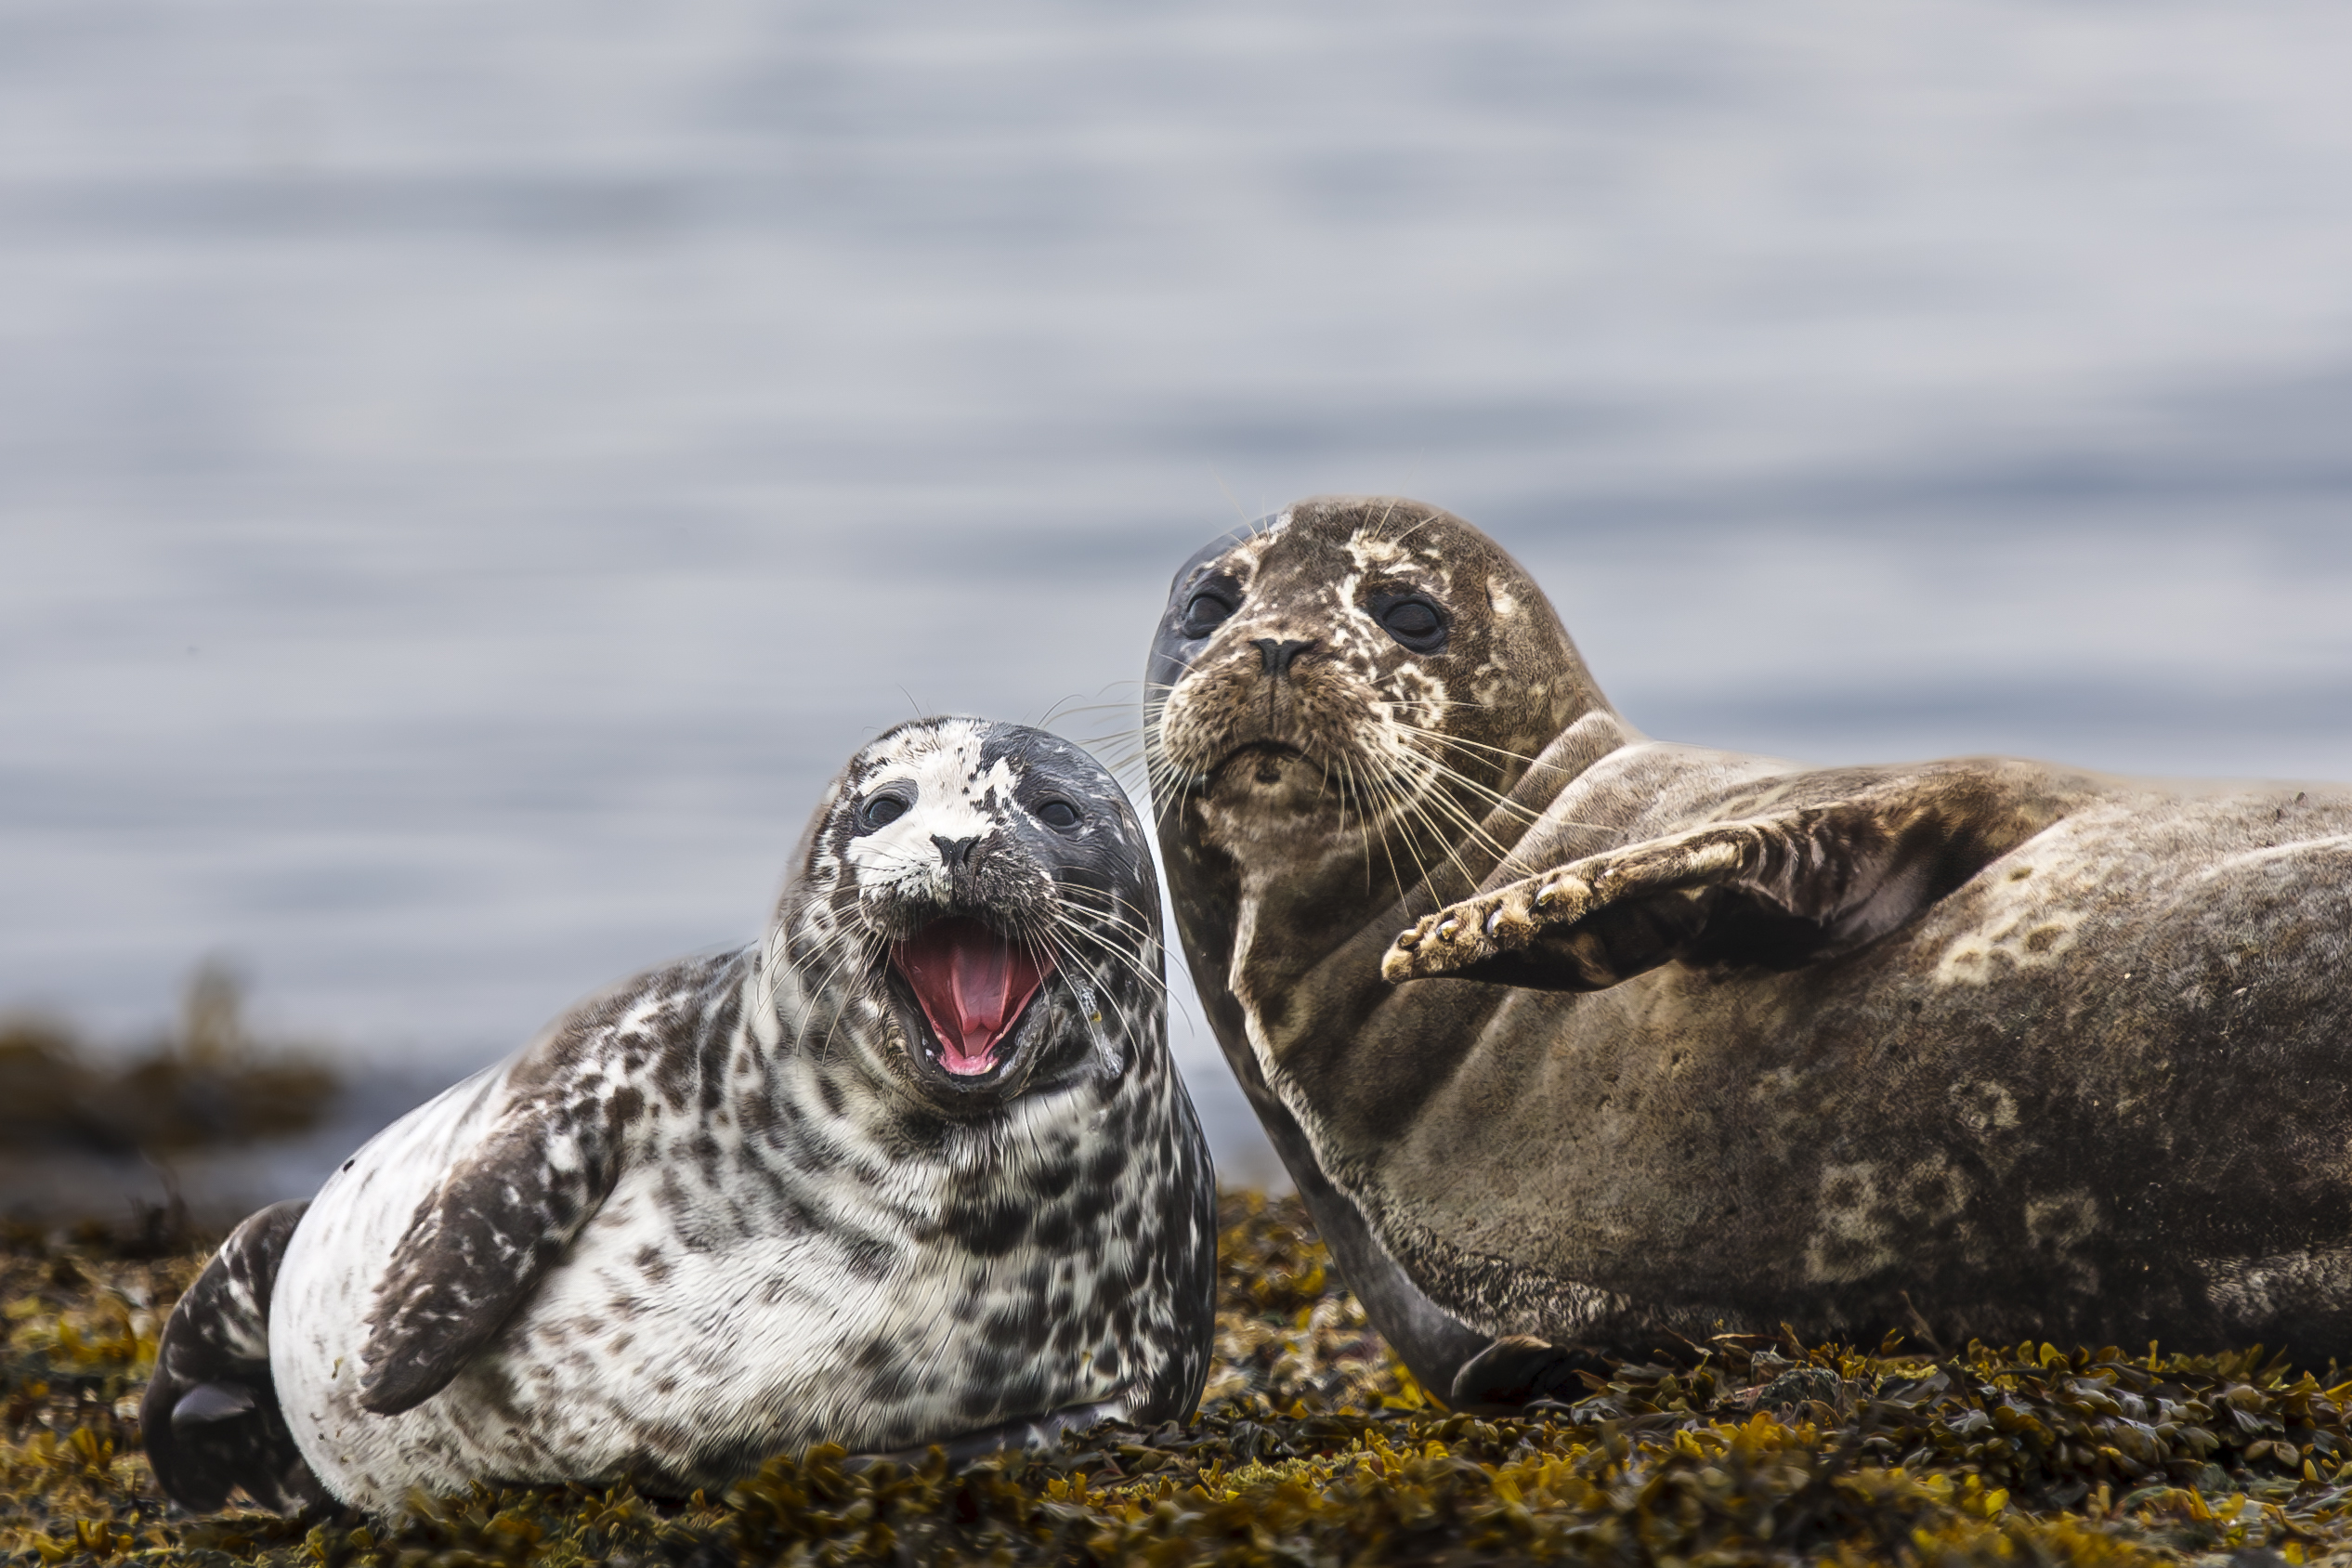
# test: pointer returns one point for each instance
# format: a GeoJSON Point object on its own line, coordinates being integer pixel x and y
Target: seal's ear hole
{"type": "Point", "coordinates": [1412, 619]}
{"type": "Point", "coordinates": [1056, 812]}
{"type": "Point", "coordinates": [883, 809]}
{"type": "Point", "coordinates": [1211, 606]}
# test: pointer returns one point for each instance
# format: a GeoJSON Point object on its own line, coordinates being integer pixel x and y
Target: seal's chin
{"type": "Point", "coordinates": [1270, 785]}
{"type": "Point", "coordinates": [972, 984]}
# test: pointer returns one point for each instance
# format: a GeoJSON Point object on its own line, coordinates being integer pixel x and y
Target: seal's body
{"type": "Point", "coordinates": [916, 1169]}
{"type": "Point", "coordinates": [1571, 1035]}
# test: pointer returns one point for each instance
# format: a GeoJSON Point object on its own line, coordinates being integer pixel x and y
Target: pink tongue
{"type": "Point", "coordinates": [973, 984]}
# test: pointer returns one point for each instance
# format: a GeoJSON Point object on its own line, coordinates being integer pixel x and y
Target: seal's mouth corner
{"type": "Point", "coordinates": [972, 983]}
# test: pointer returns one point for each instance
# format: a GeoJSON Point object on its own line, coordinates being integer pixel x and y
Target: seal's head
{"type": "Point", "coordinates": [1353, 666]}
{"type": "Point", "coordinates": [981, 891]}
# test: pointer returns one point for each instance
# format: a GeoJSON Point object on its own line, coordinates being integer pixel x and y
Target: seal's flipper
{"type": "Point", "coordinates": [1517, 1370]}
{"type": "Point", "coordinates": [479, 1245]}
{"type": "Point", "coordinates": [210, 1420]}
{"type": "Point", "coordinates": [1780, 890]}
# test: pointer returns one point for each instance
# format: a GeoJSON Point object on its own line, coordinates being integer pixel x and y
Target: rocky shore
{"type": "Point", "coordinates": [1311, 1447]}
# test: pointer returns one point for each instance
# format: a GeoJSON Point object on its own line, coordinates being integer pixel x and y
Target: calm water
{"type": "Point", "coordinates": [469, 473]}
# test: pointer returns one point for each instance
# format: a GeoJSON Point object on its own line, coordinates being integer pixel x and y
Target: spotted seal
{"type": "Point", "coordinates": [1576, 1039]}
{"type": "Point", "coordinates": [916, 1168]}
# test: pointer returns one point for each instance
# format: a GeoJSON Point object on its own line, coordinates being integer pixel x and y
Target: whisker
{"type": "Point", "coordinates": [847, 948]}
{"type": "Point", "coordinates": [1068, 934]}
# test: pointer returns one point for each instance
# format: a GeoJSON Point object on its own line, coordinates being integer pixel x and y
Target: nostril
{"type": "Point", "coordinates": [1278, 655]}
{"type": "Point", "coordinates": [954, 852]}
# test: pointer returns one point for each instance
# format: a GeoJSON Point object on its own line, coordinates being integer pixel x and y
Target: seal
{"type": "Point", "coordinates": [1575, 1040]}
{"type": "Point", "coordinates": [914, 1169]}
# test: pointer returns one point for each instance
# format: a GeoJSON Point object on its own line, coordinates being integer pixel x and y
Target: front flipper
{"type": "Point", "coordinates": [1784, 890]}
{"type": "Point", "coordinates": [1518, 1370]}
{"type": "Point", "coordinates": [480, 1244]}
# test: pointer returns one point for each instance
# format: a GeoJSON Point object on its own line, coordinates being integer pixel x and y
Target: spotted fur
{"type": "Point", "coordinates": [1578, 1038]}
{"type": "Point", "coordinates": [733, 1206]}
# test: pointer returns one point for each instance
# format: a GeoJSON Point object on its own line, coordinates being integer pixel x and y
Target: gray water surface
{"type": "Point", "coordinates": [470, 472]}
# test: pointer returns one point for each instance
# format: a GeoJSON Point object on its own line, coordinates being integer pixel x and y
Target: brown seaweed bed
{"type": "Point", "coordinates": [1312, 1447]}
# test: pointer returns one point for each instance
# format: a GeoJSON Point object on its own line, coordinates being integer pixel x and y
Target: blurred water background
{"type": "Point", "coordinates": [470, 472]}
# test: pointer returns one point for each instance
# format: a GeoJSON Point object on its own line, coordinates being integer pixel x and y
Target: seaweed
{"type": "Point", "coordinates": [1314, 1447]}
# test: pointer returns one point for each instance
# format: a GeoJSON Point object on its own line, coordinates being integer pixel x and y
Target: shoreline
{"type": "Point", "coordinates": [1312, 1444]}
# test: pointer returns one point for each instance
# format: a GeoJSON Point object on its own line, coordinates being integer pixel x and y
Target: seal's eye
{"type": "Point", "coordinates": [1412, 619]}
{"type": "Point", "coordinates": [1211, 607]}
{"type": "Point", "coordinates": [1057, 813]}
{"type": "Point", "coordinates": [882, 810]}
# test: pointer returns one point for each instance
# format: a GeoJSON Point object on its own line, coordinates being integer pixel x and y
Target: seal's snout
{"type": "Point", "coordinates": [979, 874]}
{"type": "Point", "coordinates": [1277, 655]}
{"type": "Point", "coordinates": [972, 984]}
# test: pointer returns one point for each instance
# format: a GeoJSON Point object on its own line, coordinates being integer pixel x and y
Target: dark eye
{"type": "Point", "coordinates": [1057, 813]}
{"type": "Point", "coordinates": [882, 810]}
{"type": "Point", "coordinates": [1210, 607]}
{"type": "Point", "coordinates": [1413, 620]}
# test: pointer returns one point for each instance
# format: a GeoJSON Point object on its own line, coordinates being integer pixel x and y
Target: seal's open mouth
{"type": "Point", "coordinates": [973, 985]}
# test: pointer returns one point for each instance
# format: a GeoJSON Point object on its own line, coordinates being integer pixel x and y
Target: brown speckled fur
{"type": "Point", "coordinates": [1674, 1040]}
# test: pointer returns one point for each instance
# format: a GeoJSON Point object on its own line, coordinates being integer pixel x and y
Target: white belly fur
{"type": "Point", "coordinates": [746, 1343]}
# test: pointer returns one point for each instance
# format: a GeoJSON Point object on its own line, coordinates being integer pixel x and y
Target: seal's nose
{"type": "Point", "coordinates": [955, 854]}
{"type": "Point", "coordinates": [1279, 655]}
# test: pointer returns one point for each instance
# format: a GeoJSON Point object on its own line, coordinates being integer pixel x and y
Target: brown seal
{"type": "Point", "coordinates": [1573, 1036]}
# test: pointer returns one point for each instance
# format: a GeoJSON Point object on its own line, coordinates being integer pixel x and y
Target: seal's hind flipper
{"type": "Point", "coordinates": [479, 1245]}
{"type": "Point", "coordinates": [1780, 890]}
{"type": "Point", "coordinates": [210, 1420]}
